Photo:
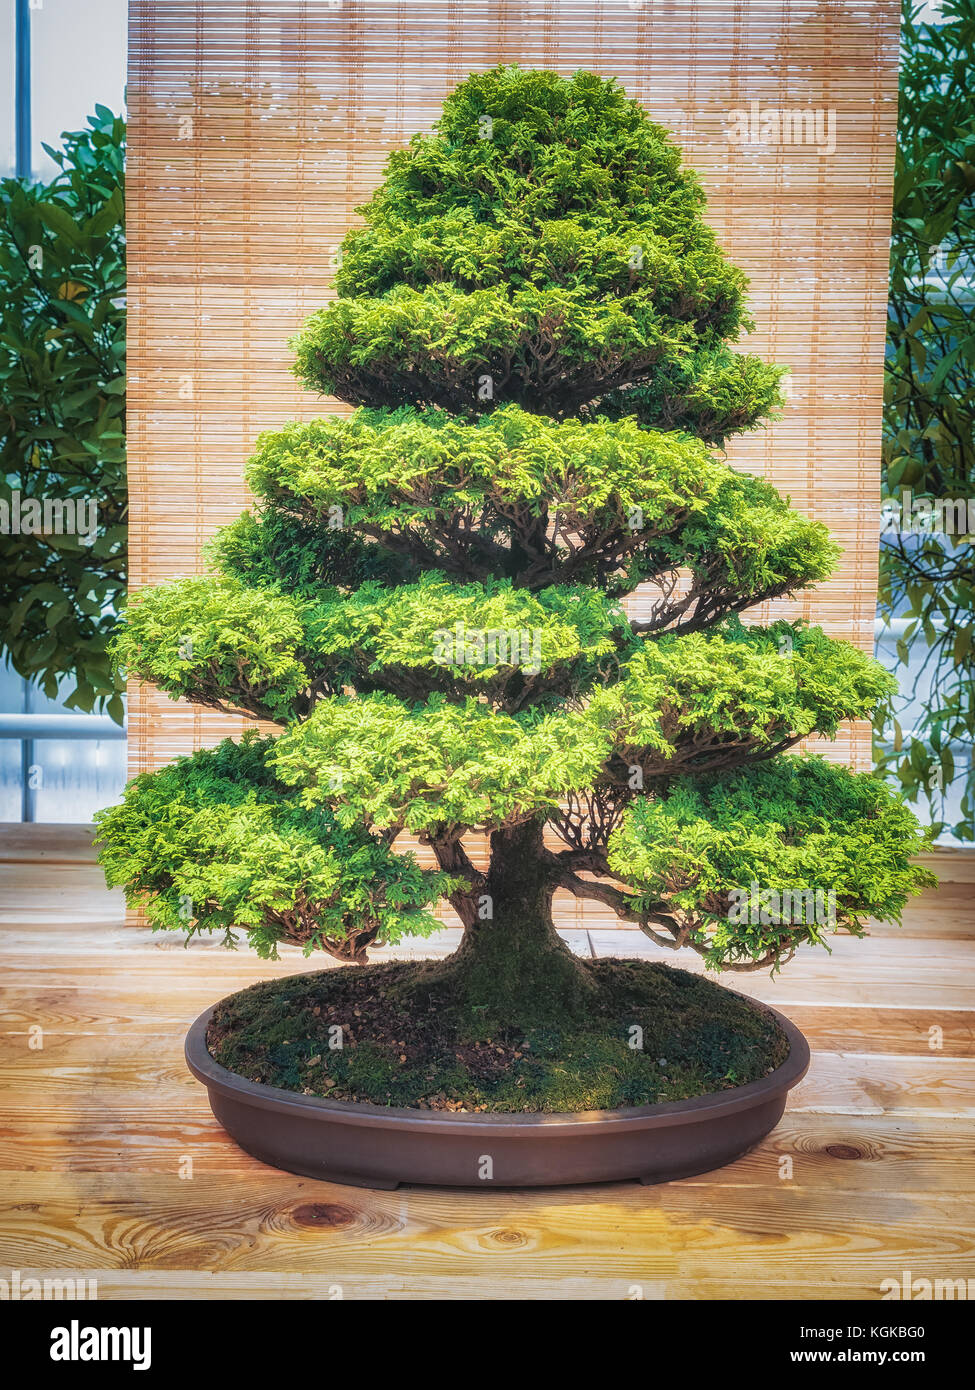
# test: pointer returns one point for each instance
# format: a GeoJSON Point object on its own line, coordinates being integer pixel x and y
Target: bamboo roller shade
{"type": "Point", "coordinates": [257, 128]}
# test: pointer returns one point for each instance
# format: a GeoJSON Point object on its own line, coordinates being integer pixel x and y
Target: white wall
{"type": "Point", "coordinates": [78, 55]}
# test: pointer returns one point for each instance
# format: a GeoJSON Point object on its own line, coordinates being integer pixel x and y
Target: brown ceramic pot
{"type": "Point", "coordinates": [374, 1146]}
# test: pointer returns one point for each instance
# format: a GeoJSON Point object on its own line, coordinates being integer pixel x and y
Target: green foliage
{"type": "Point", "coordinates": [273, 651]}
{"type": "Point", "coordinates": [439, 766]}
{"type": "Point", "coordinates": [371, 603]}
{"type": "Point", "coordinates": [795, 825]}
{"type": "Point", "coordinates": [278, 550]}
{"type": "Point", "coordinates": [694, 698]}
{"type": "Point", "coordinates": [929, 410]}
{"type": "Point", "coordinates": [747, 546]}
{"type": "Point", "coordinates": [544, 239]}
{"type": "Point", "coordinates": [473, 497]}
{"type": "Point", "coordinates": [479, 638]}
{"type": "Point", "coordinates": [403, 468]}
{"type": "Point", "coordinates": [215, 843]}
{"type": "Point", "coordinates": [682, 702]}
{"type": "Point", "coordinates": [62, 432]}
{"type": "Point", "coordinates": [711, 393]}
{"type": "Point", "coordinates": [220, 642]}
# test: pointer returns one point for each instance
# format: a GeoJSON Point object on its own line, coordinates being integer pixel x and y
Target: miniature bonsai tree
{"type": "Point", "coordinates": [533, 324]}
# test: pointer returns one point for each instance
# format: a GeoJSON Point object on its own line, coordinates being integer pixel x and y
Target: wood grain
{"type": "Point", "coordinates": [113, 1167]}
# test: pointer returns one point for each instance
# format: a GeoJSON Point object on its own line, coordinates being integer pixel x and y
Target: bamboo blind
{"type": "Point", "coordinates": [257, 127]}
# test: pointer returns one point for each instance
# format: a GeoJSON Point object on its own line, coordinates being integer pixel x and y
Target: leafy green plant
{"type": "Point", "coordinates": [929, 414]}
{"type": "Point", "coordinates": [62, 427]}
{"type": "Point", "coordinates": [426, 598]}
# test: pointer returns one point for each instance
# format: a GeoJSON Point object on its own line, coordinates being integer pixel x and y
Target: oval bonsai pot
{"type": "Point", "coordinates": [367, 1145]}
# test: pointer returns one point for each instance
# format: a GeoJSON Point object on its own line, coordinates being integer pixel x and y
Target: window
{"type": "Point", "coordinates": [72, 54]}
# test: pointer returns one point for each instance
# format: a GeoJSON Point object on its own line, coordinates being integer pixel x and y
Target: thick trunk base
{"type": "Point", "coordinates": [512, 970]}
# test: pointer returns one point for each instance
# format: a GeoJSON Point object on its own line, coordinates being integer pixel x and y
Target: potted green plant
{"type": "Point", "coordinates": [533, 322]}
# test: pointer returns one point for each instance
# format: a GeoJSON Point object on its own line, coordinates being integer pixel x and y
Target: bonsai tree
{"type": "Point", "coordinates": [533, 323]}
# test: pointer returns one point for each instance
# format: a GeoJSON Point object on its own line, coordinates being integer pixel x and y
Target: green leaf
{"type": "Point", "coordinates": [61, 222]}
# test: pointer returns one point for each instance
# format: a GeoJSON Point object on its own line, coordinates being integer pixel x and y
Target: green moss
{"type": "Point", "coordinates": [696, 1037]}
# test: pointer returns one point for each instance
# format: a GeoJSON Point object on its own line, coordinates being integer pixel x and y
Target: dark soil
{"type": "Point", "coordinates": [351, 1034]}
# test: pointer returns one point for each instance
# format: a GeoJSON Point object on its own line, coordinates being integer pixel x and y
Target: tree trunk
{"type": "Point", "coordinates": [512, 969]}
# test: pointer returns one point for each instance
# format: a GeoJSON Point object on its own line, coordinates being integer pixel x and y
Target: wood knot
{"type": "Point", "coordinates": [323, 1214]}
{"type": "Point", "coordinates": [509, 1237]}
{"type": "Point", "coordinates": [843, 1151]}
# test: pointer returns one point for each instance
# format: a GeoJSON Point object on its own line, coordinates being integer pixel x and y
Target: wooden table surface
{"type": "Point", "coordinates": [115, 1170]}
